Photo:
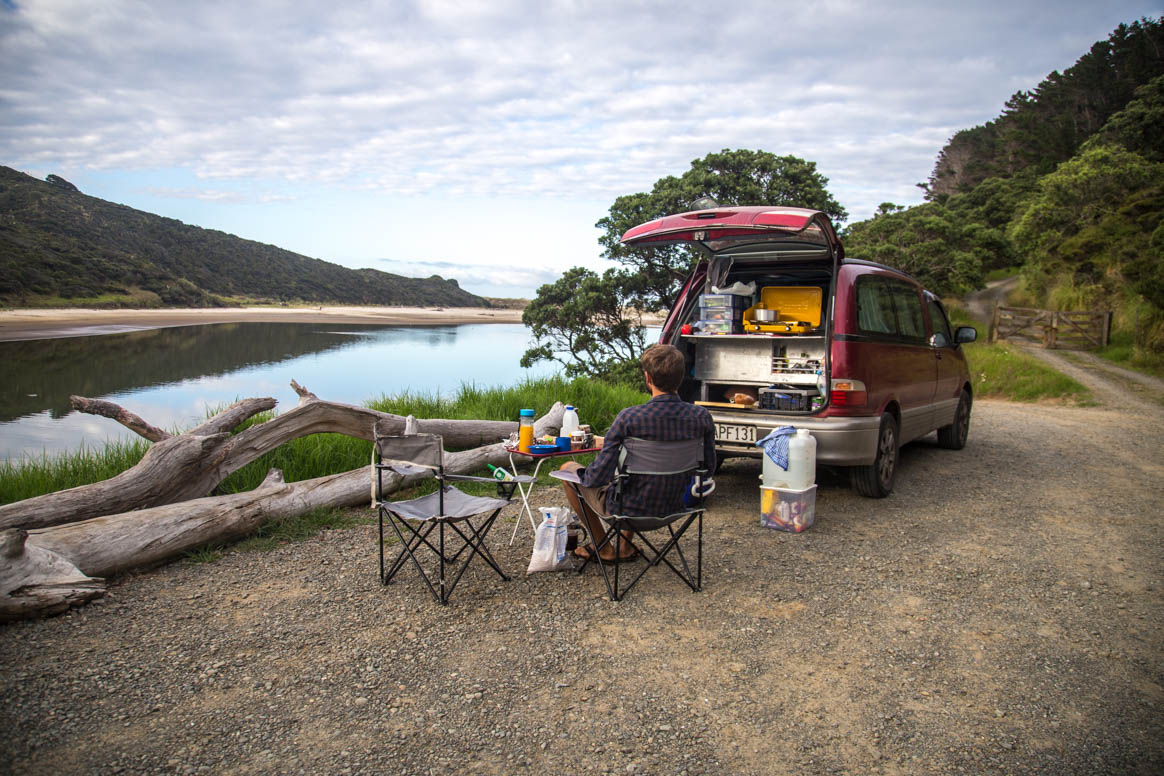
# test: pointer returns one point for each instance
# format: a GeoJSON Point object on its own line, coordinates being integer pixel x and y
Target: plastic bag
{"type": "Point", "coordinates": [549, 550]}
{"type": "Point", "coordinates": [737, 288]}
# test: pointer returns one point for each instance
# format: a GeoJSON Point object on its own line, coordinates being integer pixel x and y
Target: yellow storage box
{"type": "Point", "coordinates": [797, 310]}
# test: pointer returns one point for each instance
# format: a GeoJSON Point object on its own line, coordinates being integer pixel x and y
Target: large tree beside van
{"type": "Point", "coordinates": [590, 333]}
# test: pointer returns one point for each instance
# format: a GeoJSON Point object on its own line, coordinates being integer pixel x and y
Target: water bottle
{"type": "Point", "coordinates": [498, 473]}
{"type": "Point", "coordinates": [569, 421]}
{"type": "Point", "coordinates": [525, 430]}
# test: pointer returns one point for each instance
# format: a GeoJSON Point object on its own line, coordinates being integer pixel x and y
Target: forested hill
{"type": "Point", "coordinates": [58, 245]}
{"type": "Point", "coordinates": [1065, 188]}
{"type": "Point", "coordinates": [1040, 128]}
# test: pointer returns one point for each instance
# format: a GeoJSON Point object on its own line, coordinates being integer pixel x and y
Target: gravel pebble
{"type": "Point", "coordinates": [999, 613]}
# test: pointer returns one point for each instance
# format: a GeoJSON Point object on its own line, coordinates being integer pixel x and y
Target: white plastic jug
{"type": "Point", "coordinates": [802, 460]}
{"type": "Point", "coordinates": [569, 421]}
{"type": "Point", "coordinates": [801, 471]}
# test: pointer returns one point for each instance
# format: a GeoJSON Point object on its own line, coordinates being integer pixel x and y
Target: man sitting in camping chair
{"type": "Point", "coordinates": [666, 418]}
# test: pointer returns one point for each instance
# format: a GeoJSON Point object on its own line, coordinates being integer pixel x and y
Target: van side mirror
{"type": "Point", "coordinates": [965, 334]}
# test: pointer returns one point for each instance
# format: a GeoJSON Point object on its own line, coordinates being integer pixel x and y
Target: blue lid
{"type": "Point", "coordinates": [569, 406]}
{"type": "Point", "coordinates": [527, 413]}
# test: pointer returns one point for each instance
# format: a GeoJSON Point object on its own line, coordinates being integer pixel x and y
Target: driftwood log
{"type": "Point", "coordinates": [61, 561]}
{"type": "Point", "coordinates": [191, 465]}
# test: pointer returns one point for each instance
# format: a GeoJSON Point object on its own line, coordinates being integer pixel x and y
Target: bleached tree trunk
{"type": "Point", "coordinates": [191, 465]}
{"type": "Point", "coordinates": [61, 564]}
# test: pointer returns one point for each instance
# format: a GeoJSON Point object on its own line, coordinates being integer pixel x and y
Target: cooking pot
{"type": "Point", "coordinates": [765, 316]}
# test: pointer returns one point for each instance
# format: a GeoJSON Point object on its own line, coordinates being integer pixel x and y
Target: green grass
{"type": "Point", "coordinates": [322, 454]}
{"type": "Point", "coordinates": [23, 478]}
{"type": "Point", "coordinates": [1002, 273]}
{"type": "Point", "coordinates": [1123, 351]}
{"type": "Point", "coordinates": [1002, 371]}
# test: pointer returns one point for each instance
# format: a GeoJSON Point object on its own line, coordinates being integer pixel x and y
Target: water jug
{"type": "Point", "coordinates": [569, 421]}
{"type": "Point", "coordinates": [801, 460]}
{"type": "Point", "coordinates": [801, 472]}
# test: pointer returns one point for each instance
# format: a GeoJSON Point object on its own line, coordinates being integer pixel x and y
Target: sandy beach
{"type": "Point", "coordinates": [77, 322]}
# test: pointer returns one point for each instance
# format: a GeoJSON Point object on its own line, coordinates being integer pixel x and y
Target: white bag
{"type": "Point", "coordinates": [549, 550]}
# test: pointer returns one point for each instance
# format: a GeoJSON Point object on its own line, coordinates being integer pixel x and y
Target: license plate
{"type": "Point", "coordinates": [730, 432]}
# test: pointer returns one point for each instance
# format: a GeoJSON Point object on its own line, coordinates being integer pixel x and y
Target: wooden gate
{"type": "Point", "coordinates": [1073, 330]}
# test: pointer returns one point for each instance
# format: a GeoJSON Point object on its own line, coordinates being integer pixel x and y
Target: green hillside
{"type": "Point", "coordinates": [1064, 188]}
{"type": "Point", "coordinates": [59, 246]}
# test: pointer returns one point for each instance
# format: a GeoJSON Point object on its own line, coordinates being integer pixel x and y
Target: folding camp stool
{"type": "Point", "coordinates": [447, 511]}
{"type": "Point", "coordinates": [647, 458]}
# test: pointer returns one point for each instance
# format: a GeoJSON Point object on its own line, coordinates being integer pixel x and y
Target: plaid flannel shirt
{"type": "Point", "coordinates": [664, 418]}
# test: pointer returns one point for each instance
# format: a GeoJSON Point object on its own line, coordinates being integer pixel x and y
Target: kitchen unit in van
{"type": "Point", "coordinates": [779, 328]}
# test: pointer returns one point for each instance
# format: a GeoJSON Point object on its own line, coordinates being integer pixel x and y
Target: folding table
{"type": "Point", "coordinates": [527, 492]}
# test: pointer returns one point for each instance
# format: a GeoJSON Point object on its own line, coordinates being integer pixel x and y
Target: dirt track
{"type": "Point", "coordinates": [1000, 613]}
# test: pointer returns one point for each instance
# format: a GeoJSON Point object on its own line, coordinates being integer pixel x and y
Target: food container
{"type": "Point", "coordinates": [787, 510]}
{"type": "Point", "coordinates": [738, 301]}
{"type": "Point", "coordinates": [718, 327]}
{"type": "Point", "coordinates": [543, 449]}
{"type": "Point", "coordinates": [720, 314]}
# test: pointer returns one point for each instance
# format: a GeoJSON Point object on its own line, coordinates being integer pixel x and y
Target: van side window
{"type": "Point", "coordinates": [939, 321]}
{"type": "Point", "coordinates": [910, 322]}
{"type": "Point", "coordinates": [874, 306]}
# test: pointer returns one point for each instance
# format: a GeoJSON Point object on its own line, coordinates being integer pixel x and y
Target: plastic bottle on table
{"type": "Point", "coordinates": [569, 421]}
{"type": "Point", "coordinates": [525, 431]}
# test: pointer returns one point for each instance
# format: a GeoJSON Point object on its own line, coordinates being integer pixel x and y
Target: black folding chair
{"type": "Point", "coordinates": [647, 458]}
{"type": "Point", "coordinates": [448, 509]}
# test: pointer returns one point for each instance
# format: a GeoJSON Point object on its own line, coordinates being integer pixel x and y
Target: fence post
{"type": "Point", "coordinates": [993, 335]}
{"type": "Point", "coordinates": [1106, 338]}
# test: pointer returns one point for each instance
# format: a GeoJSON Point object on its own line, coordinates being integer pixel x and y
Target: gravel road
{"type": "Point", "coordinates": [999, 613]}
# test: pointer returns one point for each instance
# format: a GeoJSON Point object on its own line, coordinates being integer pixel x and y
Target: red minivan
{"type": "Point", "coordinates": [780, 329]}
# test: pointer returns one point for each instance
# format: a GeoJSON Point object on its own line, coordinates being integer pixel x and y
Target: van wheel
{"type": "Point", "coordinates": [953, 436]}
{"type": "Point", "coordinates": [876, 479]}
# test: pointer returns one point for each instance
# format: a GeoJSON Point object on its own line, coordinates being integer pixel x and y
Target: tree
{"type": "Point", "coordinates": [738, 177]}
{"type": "Point", "coordinates": [932, 243]}
{"type": "Point", "coordinates": [589, 323]}
{"type": "Point", "coordinates": [583, 322]}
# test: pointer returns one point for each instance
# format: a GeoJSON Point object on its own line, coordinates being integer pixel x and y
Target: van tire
{"type": "Point", "coordinates": [876, 479]}
{"type": "Point", "coordinates": [953, 436]}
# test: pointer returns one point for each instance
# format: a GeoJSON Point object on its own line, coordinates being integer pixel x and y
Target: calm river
{"type": "Point", "coordinates": [171, 376]}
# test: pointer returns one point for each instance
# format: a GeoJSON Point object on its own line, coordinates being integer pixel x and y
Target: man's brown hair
{"type": "Point", "coordinates": [665, 365]}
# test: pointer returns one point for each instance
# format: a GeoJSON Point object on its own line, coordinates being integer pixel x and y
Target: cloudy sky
{"type": "Point", "coordinates": [482, 139]}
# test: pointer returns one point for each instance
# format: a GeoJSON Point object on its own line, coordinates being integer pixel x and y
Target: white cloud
{"type": "Point", "coordinates": [519, 98]}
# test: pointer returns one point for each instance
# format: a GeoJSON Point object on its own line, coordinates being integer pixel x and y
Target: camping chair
{"type": "Point", "coordinates": [648, 458]}
{"type": "Point", "coordinates": [447, 509]}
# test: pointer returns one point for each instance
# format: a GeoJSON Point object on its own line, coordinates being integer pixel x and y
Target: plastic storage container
{"type": "Point", "coordinates": [718, 327]}
{"type": "Point", "coordinates": [738, 301]}
{"type": "Point", "coordinates": [720, 314]}
{"type": "Point", "coordinates": [786, 509]}
{"type": "Point", "coordinates": [787, 399]}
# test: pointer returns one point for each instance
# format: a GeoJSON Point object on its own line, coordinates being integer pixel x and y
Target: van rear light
{"type": "Point", "coordinates": [848, 393]}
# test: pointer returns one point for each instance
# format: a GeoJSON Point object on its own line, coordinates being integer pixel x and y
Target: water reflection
{"type": "Point", "coordinates": [171, 376]}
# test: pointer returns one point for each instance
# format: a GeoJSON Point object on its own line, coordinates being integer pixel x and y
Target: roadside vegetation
{"type": "Point", "coordinates": [1003, 371]}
